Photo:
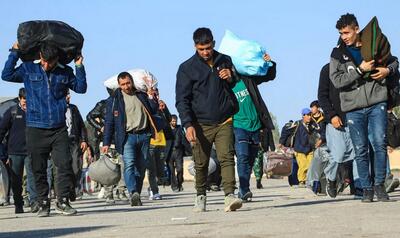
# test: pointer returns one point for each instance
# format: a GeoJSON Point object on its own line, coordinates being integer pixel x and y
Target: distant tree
{"type": "Point", "coordinates": [276, 132]}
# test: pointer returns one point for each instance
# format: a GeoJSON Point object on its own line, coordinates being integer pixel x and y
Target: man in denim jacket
{"type": "Point", "coordinates": [47, 83]}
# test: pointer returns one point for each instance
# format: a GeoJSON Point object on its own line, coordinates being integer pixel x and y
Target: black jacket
{"type": "Point", "coordinates": [78, 130]}
{"type": "Point", "coordinates": [251, 83]}
{"type": "Point", "coordinates": [98, 112]}
{"type": "Point", "coordinates": [328, 97]}
{"type": "Point", "coordinates": [165, 119]}
{"type": "Point", "coordinates": [267, 140]}
{"type": "Point", "coordinates": [201, 96]}
{"type": "Point", "coordinates": [13, 127]}
{"type": "Point", "coordinates": [178, 138]}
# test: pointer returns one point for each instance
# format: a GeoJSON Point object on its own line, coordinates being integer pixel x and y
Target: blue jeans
{"type": "Point", "coordinates": [246, 146]}
{"type": "Point", "coordinates": [368, 125]}
{"type": "Point", "coordinates": [136, 150]}
{"type": "Point", "coordinates": [31, 187]}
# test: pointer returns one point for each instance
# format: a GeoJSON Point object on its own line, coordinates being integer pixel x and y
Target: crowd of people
{"type": "Point", "coordinates": [340, 140]}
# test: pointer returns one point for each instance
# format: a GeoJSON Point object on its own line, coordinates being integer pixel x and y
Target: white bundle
{"type": "Point", "coordinates": [142, 80]}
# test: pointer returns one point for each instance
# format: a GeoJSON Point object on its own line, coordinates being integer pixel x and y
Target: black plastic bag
{"type": "Point", "coordinates": [32, 34]}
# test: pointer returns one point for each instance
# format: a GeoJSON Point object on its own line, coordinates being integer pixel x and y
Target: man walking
{"type": "Point", "coordinates": [46, 83]}
{"type": "Point", "coordinates": [129, 118]}
{"type": "Point", "coordinates": [363, 96]}
{"type": "Point", "coordinates": [206, 103]}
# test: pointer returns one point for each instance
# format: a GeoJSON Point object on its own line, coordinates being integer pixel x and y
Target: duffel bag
{"type": "Point", "coordinates": [105, 170]}
{"type": "Point", "coordinates": [278, 163]}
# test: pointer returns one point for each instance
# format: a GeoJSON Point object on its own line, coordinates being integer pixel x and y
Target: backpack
{"type": "Point", "coordinates": [291, 130]}
{"type": "Point", "coordinates": [393, 130]}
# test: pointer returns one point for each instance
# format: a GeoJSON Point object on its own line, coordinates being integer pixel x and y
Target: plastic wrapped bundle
{"type": "Point", "coordinates": [247, 56]}
{"type": "Point", "coordinates": [142, 80]}
{"type": "Point", "coordinates": [32, 34]}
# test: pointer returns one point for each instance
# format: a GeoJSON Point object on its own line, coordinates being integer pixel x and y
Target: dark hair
{"type": "Point", "coordinates": [346, 20]}
{"type": "Point", "coordinates": [173, 116]}
{"type": "Point", "coordinates": [22, 93]}
{"type": "Point", "coordinates": [123, 75]}
{"type": "Point", "coordinates": [314, 103]}
{"type": "Point", "coordinates": [202, 36]}
{"type": "Point", "coordinates": [49, 51]}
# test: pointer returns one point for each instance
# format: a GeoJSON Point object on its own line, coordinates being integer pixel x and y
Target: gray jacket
{"type": "Point", "coordinates": [356, 92]}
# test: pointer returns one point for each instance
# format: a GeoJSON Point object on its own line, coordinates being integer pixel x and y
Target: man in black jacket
{"type": "Point", "coordinates": [175, 159]}
{"type": "Point", "coordinates": [206, 103]}
{"type": "Point", "coordinates": [13, 127]}
{"type": "Point", "coordinates": [78, 141]}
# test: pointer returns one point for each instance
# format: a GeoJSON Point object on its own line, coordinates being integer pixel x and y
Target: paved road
{"type": "Point", "coordinates": [277, 211]}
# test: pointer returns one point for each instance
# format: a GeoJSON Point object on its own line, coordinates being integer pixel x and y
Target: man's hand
{"type": "Point", "coordinates": [367, 66]}
{"type": "Point", "coordinates": [191, 135]}
{"type": "Point", "coordinates": [79, 60]}
{"type": "Point", "coordinates": [84, 146]}
{"type": "Point", "coordinates": [15, 46]}
{"type": "Point", "coordinates": [336, 122]}
{"type": "Point", "coordinates": [381, 74]}
{"type": "Point", "coordinates": [225, 74]}
{"type": "Point", "coordinates": [104, 149]}
{"type": "Point", "coordinates": [318, 143]}
{"type": "Point", "coordinates": [266, 57]}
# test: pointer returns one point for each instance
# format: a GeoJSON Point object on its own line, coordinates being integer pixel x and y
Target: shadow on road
{"type": "Point", "coordinates": [308, 203]}
{"type": "Point", "coordinates": [49, 232]}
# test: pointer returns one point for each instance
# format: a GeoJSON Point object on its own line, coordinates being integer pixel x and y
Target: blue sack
{"type": "Point", "coordinates": [247, 56]}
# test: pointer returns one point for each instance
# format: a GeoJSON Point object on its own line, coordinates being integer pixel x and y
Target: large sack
{"type": "Point", "coordinates": [278, 163]}
{"type": "Point", "coordinates": [32, 34]}
{"type": "Point", "coordinates": [4, 183]}
{"type": "Point", "coordinates": [105, 170]}
{"type": "Point", "coordinates": [142, 80]}
{"type": "Point", "coordinates": [375, 45]}
{"type": "Point", "coordinates": [247, 56]}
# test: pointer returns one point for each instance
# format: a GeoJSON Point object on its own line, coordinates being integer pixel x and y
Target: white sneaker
{"type": "Point", "coordinates": [101, 193]}
{"type": "Point", "coordinates": [151, 196]}
{"type": "Point", "coordinates": [157, 196]}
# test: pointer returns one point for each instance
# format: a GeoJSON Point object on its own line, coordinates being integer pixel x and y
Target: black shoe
{"type": "Point", "coordinates": [72, 195]}
{"type": "Point", "coordinates": [331, 189]}
{"type": "Point", "coordinates": [135, 200]}
{"type": "Point", "coordinates": [259, 184]}
{"type": "Point", "coordinates": [368, 195]}
{"type": "Point", "coordinates": [19, 209]}
{"type": "Point", "coordinates": [35, 207]}
{"type": "Point", "coordinates": [44, 209]}
{"type": "Point", "coordinates": [63, 207]}
{"type": "Point", "coordinates": [381, 194]}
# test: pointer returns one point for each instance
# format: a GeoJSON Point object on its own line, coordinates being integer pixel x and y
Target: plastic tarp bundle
{"type": "Point", "coordinates": [32, 34]}
{"type": "Point", "coordinates": [247, 56]}
{"type": "Point", "coordinates": [142, 80]}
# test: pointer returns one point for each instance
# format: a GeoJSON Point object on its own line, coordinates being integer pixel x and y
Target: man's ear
{"type": "Point", "coordinates": [213, 44]}
{"type": "Point", "coordinates": [357, 29]}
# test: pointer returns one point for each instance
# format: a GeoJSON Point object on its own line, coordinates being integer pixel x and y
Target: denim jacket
{"type": "Point", "coordinates": [45, 92]}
